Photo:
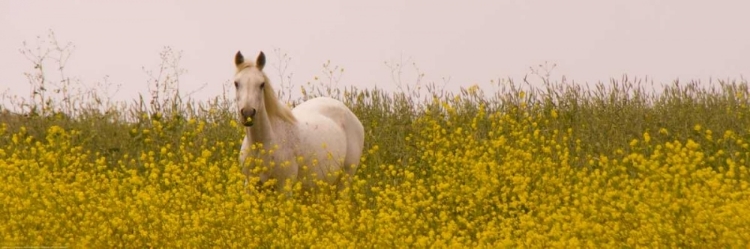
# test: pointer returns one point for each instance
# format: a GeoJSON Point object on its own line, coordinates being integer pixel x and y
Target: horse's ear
{"type": "Point", "coordinates": [238, 59]}
{"type": "Point", "coordinates": [261, 61]}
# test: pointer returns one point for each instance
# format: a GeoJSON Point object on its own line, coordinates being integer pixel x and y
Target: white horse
{"type": "Point", "coordinates": [319, 140]}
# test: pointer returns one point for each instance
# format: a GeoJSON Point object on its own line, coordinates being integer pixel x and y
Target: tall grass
{"type": "Point", "coordinates": [612, 165]}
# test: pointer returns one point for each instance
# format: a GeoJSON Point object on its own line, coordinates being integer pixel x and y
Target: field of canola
{"type": "Point", "coordinates": [564, 167]}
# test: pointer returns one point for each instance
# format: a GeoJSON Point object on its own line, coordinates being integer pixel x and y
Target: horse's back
{"type": "Point", "coordinates": [326, 106]}
{"type": "Point", "coordinates": [331, 108]}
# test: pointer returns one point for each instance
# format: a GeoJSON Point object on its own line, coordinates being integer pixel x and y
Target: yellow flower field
{"type": "Point", "coordinates": [456, 172]}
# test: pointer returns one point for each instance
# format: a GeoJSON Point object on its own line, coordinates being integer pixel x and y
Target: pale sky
{"type": "Point", "coordinates": [472, 42]}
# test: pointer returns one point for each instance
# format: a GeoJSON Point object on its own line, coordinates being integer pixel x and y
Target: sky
{"type": "Point", "coordinates": [453, 43]}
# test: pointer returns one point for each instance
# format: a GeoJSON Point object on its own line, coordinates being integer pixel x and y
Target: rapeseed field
{"type": "Point", "coordinates": [564, 167]}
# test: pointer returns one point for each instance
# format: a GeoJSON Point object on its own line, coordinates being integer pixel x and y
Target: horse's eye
{"type": "Point", "coordinates": [236, 84]}
{"type": "Point", "coordinates": [262, 85]}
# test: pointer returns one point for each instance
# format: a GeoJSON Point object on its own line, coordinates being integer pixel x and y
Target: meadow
{"type": "Point", "coordinates": [564, 165]}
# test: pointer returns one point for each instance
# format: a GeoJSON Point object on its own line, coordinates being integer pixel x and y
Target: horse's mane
{"type": "Point", "coordinates": [274, 107]}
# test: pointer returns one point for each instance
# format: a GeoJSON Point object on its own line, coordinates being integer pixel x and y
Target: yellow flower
{"type": "Point", "coordinates": [633, 142]}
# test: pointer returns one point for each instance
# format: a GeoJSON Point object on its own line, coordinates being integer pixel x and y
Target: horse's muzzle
{"type": "Point", "coordinates": [247, 116]}
{"type": "Point", "coordinates": [247, 122]}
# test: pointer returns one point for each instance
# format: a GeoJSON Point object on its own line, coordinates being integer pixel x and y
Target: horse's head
{"type": "Point", "coordinates": [250, 84]}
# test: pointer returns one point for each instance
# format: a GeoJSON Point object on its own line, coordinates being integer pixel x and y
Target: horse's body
{"type": "Point", "coordinates": [319, 140]}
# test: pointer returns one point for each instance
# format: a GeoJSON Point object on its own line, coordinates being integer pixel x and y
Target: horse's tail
{"type": "Point", "coordinates": [355, 142]}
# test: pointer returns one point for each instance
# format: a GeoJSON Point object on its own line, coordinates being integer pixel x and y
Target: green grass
{"type": "Point", "coordinates": [605, 118]}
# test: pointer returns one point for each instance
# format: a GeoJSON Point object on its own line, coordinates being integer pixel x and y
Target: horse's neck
{"type": "Point", "coordinates": [270, 130]}
{"type": "Point", "coordinates": [261, 131]}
